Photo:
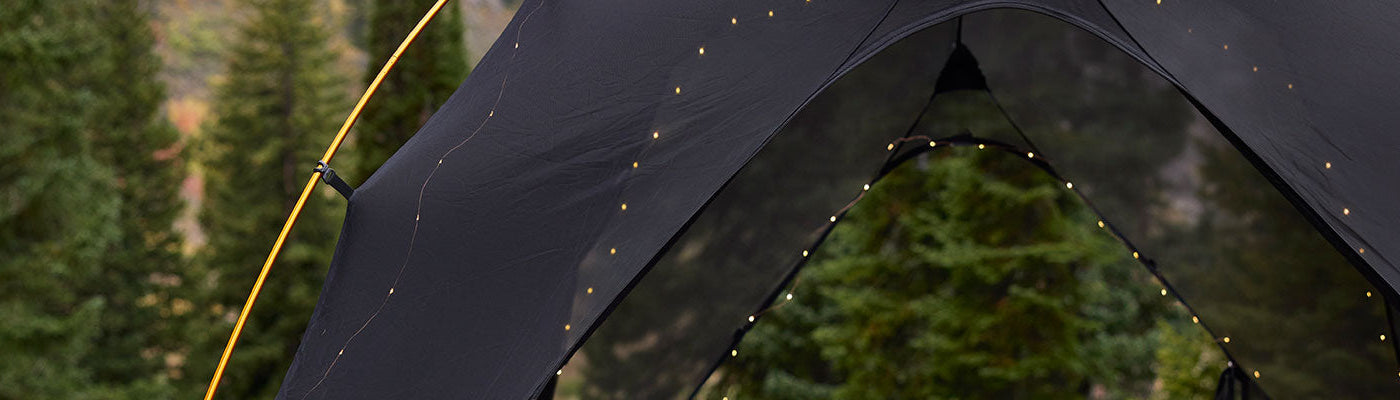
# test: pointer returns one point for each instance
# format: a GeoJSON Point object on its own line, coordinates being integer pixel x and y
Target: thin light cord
{"type": "Point", "coordinates": [306, 192]}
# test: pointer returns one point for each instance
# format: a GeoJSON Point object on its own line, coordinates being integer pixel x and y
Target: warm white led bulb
{"type": "Point", "coordinates": [804, 253]}
{"type": "Point", "coordinates": [981, 146]}
{"type": "Point", "coordinates": [789, 296]}
{"type": "Point", "coordinates": [1100, 224]}
{"type": "Point", "coordinates": [1069, 185]}
{"type": "Point", "coordinates": [866, 187]}
{"type": "Point", "coordinates": [750, 318]}
{"type": "Point", "coordinates": [1030, 155]}
{"type": "Point", "coordinates": [833, 218]}
{"type": "Point", "coordinates": [1164, 292]}
{"type": "Point", "coordinates": [1135, 255]}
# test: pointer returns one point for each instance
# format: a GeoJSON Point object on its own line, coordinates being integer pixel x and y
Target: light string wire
{"type": "Point", "coordinates": [306, 193]}
{"type": "Point", "coordinates": [418, 211]}
{"type": "Point", "coordinates": [791, 282]}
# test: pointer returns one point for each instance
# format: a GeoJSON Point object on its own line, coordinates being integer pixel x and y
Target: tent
{"type": "Point", "coordinates": [596, 141]}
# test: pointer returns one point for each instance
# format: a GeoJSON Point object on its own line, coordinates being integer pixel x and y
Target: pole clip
{"type": "Point", "coordinates": [329, 176]}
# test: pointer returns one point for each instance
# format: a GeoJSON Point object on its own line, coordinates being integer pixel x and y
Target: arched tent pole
{"type": "Point", "coordinates": [306, 192]}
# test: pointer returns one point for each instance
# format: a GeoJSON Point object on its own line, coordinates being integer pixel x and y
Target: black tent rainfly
{"type": "Point", "coordinates": [692, 153]}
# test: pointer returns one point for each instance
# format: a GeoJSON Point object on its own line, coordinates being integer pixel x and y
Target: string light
{"type": "Point", "coordinates": [1256, 374]}
{"type": "Point", "coordinates": [702, 50]}
{"type": "Point", "coordinates": [734, 21]}
{"type": "Point", "coordinates": [624, 206]}
{"type": "Point", "coordinates": [1227, 47]}
{"type": "Point", "coordinates": [612, 251]}
{"type": "Point", "coordinates": [1195, 320]}
{"type": "Point", "coordinates": [1361, 250]}
{"type": "Point", "coordinates": [1135, 255]}
{"type": "Point", "coordinates": [889, 147]}
{"type": "Point", "coordinates": [1164, 292]}
{"type": "Point", "coordinates": [391, 290]}
{"type": "Point", "coordinates": [1290, 86]}
{"type": "Point", "coordinates": [1256, 68]}
{"type": "Point", "coordinates": [770, 13]}
{"type": "Point", "coordinates": [1030, 155]}
{"type": "Point", "coordinates": [657, 134]}
{"type": "Point", "coordinates": [1382, 338]}
{"type": "Point", "coordinates": [833, 218]}
{"type": "Point", "coordinates": [1368, 294]}
{"type": "Point", "coordinates": [981, 146]}
{"type": "Point", "coordinates": [492, 113]}
{"type": "Point", "coordinates": [789, 296]}
{"type": "Point", "coordinates": [590, 290]}
{"type": "Point", "coordinates": [1069, 185]}
{"type": "Point", "coordinates": [634, 164]}
{"type": "Point", "coordinates": [866, 187]}
{"type": "Point", "coordinates": [1226, 339]}
{"type": "Point", "coordinates": [566, 327]}
{"type": "Point", "coordinates": [932, 144]}
{"type": "Point", "coordinates": [751, 318]}
{"type": "Point", "coordinates": [1346, 211]}
{"type": "Point", "coordinates": [804, 253]}
{"type": "Point", "coordinates": [678, 90]}
{"type": "Point", "coordinates": [1327, 165]}
{"type": "Point", "coordinates": [517, 45]}
{"type": "Point", "coordinates": [734, 353]}
{"type": "Point", "coordinates": [1101, 223]}
{"type": "Point", "coordinates": [559, 372]}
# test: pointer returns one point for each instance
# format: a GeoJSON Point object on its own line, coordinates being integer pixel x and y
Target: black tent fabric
{"type": "Point", "coordinates": [598, 142]}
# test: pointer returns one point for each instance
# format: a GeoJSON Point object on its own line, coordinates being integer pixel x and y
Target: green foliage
{"type": "Point", "coordinates": [427, 73]}
{"type": "Point", "coordinates": [275, 110]}
{"type": "Point", "coordinates": [88, 181]}
{"type": "Point", "coordinates": [979, 278]}
{"type": "Point", "coordinates": [1187, 362]}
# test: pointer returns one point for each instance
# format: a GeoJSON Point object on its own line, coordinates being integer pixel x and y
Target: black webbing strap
{"type": "Point", "coordinates": [1233, 382]}
{"type": "Point", "coordinates": [329, 176]}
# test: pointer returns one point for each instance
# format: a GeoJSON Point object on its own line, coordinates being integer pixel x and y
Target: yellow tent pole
{"type": "Point", "coordinates": [306, 192]}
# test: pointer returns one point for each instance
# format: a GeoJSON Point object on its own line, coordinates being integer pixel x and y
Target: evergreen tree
{"type": "Point", "coordinates": [141, 272]}
{"type": "Point", "coordinates": [427, 73]}
{"type": "Point", "coordinates": [978, 278]}
{"type": "Point", "coordinates": [277, 108]}
{"type": "Point", "coordinates": [89, 181]}
{"type": "Point", "coordinates": [57, 209]}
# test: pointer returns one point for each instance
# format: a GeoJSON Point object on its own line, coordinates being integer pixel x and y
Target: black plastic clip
{"type": "Point", "coordinates": [329, 176]}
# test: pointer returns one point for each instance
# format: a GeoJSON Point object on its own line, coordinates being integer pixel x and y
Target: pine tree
{"type": "Point", "coordinates": [425, 76]}
{"type": "Point", "coordinates": [141, 272]}
{"type": "Point", "coordinates": [57, 211]}
{"type": "Point", "coordinates": [277, 108]}
{"type": "Point", "coordinates": [977, 278]}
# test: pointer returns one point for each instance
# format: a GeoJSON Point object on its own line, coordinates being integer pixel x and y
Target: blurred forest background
{"type": "Point", "coordinates": [151, 149]}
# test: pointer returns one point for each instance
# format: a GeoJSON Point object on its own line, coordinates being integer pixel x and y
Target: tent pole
{"type": "Point", "coordinates": [306, 192]}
